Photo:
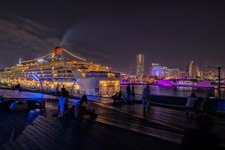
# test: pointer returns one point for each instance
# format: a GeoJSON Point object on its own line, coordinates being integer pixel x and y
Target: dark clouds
{"type": "Point", "coordinates": [23, 38]}
{"type": "Point", "coordinates": [170, 33]}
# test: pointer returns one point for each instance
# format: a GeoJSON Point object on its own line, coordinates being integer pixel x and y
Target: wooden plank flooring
{"type": "Point", "coordinates": [53, 133]}
{"type": "Point", "coordinates": [115, 128]}
{"type": "Point", "coordinates": [44, 134]}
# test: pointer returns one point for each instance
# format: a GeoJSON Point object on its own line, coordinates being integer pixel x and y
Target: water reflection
{"type": "Point", "coordinates": [176, 91]}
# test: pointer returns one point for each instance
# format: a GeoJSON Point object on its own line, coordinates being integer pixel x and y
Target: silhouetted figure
{"type": "Point", "coordinates": [18, 87]}
{"type": "Point", "coordinates": [201, 138]}
{"type": "Point", "coordinates": [1, 98]}
{"type": "Point", "coordinates": [117, 98]}
{"type": "Point", "coordinates": [1, 101]}
{"type": "Point", "coordinates": [63, 88]}
{"type": "Point", "coordinates": [57, 92]}
{"type": "Point", "coordinates": [120, 97]}
{"type": "Point", "coordinates": [190, 105]}
{"type": "Point", "coordinates": [63, 102]}
{"type": "Point", "coordinates": [128, 93]}
{"type": "Point", "coordinates": [132, 95]}
{"type": "Point", "coordinates": [146, 98]}
{"type": "Point", "coordinates": [85, 109]}
{"type": "Point", "coordinates": [197, 105]}
{"type": "Point", "coordinates": [84, 105]}
{"type": "Point", "coordinates": [206, 105]}
{"type": "Point", "coordinates": [114, 97]}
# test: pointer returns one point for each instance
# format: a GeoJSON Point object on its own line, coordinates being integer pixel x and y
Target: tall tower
{"type": "Point", "coordinates": [140, 66]}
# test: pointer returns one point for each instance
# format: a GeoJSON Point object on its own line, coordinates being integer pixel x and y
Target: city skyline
{"type": "Point", "coordinates": [113, 33]}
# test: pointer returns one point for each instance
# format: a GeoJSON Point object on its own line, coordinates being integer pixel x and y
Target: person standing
{"type": "Point", "coordinates": [63, 102]}
{"type": "Point", "coordinates": [1, 101]}
{"type": "Point", "coordinates": [146, 98]}
{"type": "Point", "coordinates": [1, 98]}
{"type": "Point", "coordinates": [206, 105]}
{"type": "Point", "coordinates": [132, 99]}
{"type": "Point", "coordinates": [190, 105]}
{"type": "Point", "coordinates": [128, 93]}
{"type": "Point", "coordinates": [57, 92]}
{"type": "Point", "coordinates": [63, 89]}
{"type": "Point", "coordinates": [132, 95]}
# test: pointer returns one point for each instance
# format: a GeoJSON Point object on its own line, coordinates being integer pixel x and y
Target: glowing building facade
{"type": "Point", "coordinates": [140, 66]}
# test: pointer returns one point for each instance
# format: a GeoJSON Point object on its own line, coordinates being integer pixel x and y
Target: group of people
{"type": "Point", "coordinates": [118, 98]}
{"type": "Point", "coordinates": [84, 108]}
{"type": "Point", "coordinates": [130, 94]}
{"type": "Point", "coordinates": [197, 105]}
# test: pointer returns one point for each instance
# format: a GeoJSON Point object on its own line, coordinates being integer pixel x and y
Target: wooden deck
{"type": "Point", "coordinates": [115, 128]}
{"type": "Point", "coordinates": [47, 134]}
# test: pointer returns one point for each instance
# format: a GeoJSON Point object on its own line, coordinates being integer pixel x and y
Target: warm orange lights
{"type": "Point", "coordinates": [111, 75]}
{"type": "Point", "coordinates": [109, 83]}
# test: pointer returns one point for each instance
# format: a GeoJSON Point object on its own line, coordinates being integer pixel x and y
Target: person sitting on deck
{"type": "Point", "coordinates": [117, 98]}
{"type": "Point", "coordinates": [18, 87]}
{"type": "Point", "coordinates": [85, 108]}
{"type": "Point", "coordinates": [114, 97]}
{"type": "Point", "coordinates": [84, 105]}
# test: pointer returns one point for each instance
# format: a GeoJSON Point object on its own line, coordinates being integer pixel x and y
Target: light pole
{"type": "Point", "coordinates": [219, 84]}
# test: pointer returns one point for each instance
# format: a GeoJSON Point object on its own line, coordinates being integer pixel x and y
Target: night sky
{"type": "Point", "coordinates": [112, 32]}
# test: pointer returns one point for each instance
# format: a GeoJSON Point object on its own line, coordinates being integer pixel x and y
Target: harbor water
{"type": "Point", "coordinates": [176, 91]}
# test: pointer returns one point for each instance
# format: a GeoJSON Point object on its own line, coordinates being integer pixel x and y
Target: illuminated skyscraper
{"type": "Point", "coordinates": [140, 66]}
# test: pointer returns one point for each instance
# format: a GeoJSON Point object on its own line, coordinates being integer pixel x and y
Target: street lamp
{"type": "Point", "coordinates": [219, 91]}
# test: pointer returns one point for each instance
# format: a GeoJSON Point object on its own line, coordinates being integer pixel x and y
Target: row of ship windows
{"type": "Point", "coordinates": [50, 71]}
{"type": "Point", "coordinates": [41, 76]}
{"type": "Point", "coordinates": [62, 75]}
{"type": "Point", "coordinates": [101, 75]}
{"type": "Point", "coordinates": [55, 79]}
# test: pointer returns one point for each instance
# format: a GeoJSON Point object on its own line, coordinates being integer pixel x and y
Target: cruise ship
{"type": "Point", "coordinates": [62, 68]}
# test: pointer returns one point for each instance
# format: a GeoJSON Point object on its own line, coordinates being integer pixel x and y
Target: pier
{"type": "Point", "coordinates": [116, 127]}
